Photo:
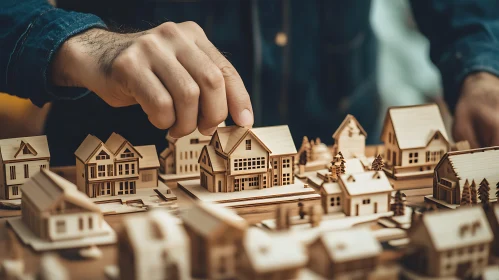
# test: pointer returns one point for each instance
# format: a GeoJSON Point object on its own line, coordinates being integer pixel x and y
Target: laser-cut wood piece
{"type": "Point", "coordinates": [350, 138]}
{"type": "Point", "coordinates": [21, 158]}
{"type": "Point", "coordinates": [415, 139]}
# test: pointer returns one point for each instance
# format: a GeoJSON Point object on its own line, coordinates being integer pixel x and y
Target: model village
{"type": "Point", "coordinates": [245, 203]}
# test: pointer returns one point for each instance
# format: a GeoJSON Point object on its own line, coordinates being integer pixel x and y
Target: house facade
{"type": "Point", "coordinates": [415, 139]}
{"type": "Point", "coordinates": [153, 246]}
{"type": "Point", "coordinates": [461, 252]}
{"type": "Point", "coordinates": [456, 167]}
{"type": "Point", "coordinates": [365, 193]}
{"type": "Point", "coordinates": [53, 209]}
{"type": "Point", "coordinates": [182, 154]}
{"type": "Point", "coordinates": [216, 236]}
{"type": "Point", "coordinates": [345, 254]}
{"type": "Point", "coordinates": [331, 197]}
{"type": "Point", "coordinates": [21, 158]}
{"type": "Point", "coordinates": [114, 167]}
{"type": "Point", "coordinates": [350, 138]}
{"type": "Point", "coordinates": [239, 158]}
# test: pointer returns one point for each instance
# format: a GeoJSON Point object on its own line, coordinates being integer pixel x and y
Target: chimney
{"type": "Point", "coordinates": [315, 216]}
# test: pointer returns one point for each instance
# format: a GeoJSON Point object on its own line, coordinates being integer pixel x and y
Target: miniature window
{"type": "Point", "coordinates": [286, 163]}
{"type": "Point", "coordinates": [190, 167]}
{"type": "Point", "coordinates": [127, 154]}
{"type": "Point", "coordinates": [12, 172]}
{"type": "Point", "coordinates": [413, 157]}
{"type": "Point", "coordinates": [132, 187]}
{"type": "Point", "coordinates": [388, 154]}
{"type": "Point", "coordinates": [132, 168]}
{"type": "Point", "coordinates": [436, 136]}
{"type": "Point", "coordinates": [217, 145]}
{"type": "Point", "coordinates": [204, 159]}
{"type": "Point", "coordinates": [60, 226]}
{"type": "Point", "coordinates": [146, 177]}
{"type": "Point", "coordinates": [286, 179]}
{"type": "Point", "coordinates": [248, 144]}
{"type": "Point", "coordinates": [43, 166]}
{"type": "Point", "coordinates": [120, 169]}
{"type": "Point", "coordinates": [338, 203]}
{"type": "Point", "coordinates": [332, 201]}
{"type": "Point", "coordinates": [389, 137]}
{"type": "Point", "coordinates": [195, 141]}
{"type": "Point", "coordinates": [92, 172]}
{"type": "Point", "coordinates": [181, 155]}
{"type": "Point", "coordinates": [185, 155]}
{"type": "Point", "coordinates": [102, 155]}
{"type": "Point", "coordinates": [127, 169]}
{"type": "Point", "coordinates": [26, 171]}
{"type": "Point", "coordinates": [191, 155]}
{"type": "Point", "coordinates": [101, 170]}
{"type": "Point", "coordinates": [366, 201]}
{"type": "Point", "coordinates": [80, 223]}
{"type": "Point", "coordinates": [90, 223]}
{"type": "Point", "coordinates": [26, 150]}
{"type": "Point", "coordinates": [15, 190]}
{"type": "Point", "coordinates": [110, 170]}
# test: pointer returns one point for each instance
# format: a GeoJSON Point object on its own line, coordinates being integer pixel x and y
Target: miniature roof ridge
{"type": "Point", "coordinates": [149, 156]}
{"type": "Point", "coordinates": [365, 183]}
{"type": "Point", "coordinates": [217, 163]}
{"type": "Point", "coordinates": [115, 142]}
{"type": "Point", "coordinates": [345, 122]}
{"type": "Point", "coordinates": [88, 147]}
{"type": "Point", "coordinates": [350, 244]}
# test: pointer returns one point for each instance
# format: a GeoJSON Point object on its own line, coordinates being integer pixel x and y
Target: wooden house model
{"type": "Point", "coordinates": [216, 236]}
{"type": "Point", "coordinates": [115, 167]}
{"type": "Point", "coordinates": [350, 138]}
{"type": "Point", "coordinates": [153, 246]}
{"type": "Point", "coordinates": [456, 167]}
{"type": "Point", "coordinates": [240, 158]}
{"type": "Point", "coordinates": [345, 254]}
{"type": "Point", "coordinates": [331, 197]}
{"type": "Point", "coordinates": [53, 209]}
{"type": "Point", "coordinates": [415, 139]}
{"type": "Point", "coordinates": [451, 243]}
{"type": "Point", "coordinates": [21, 158]}
{"type": "Point", "coordinates": [270, 256]}
{"type": "Point", "coordinates": [182, 154]}
{"type": "Point", "coordinates": [365, 193]}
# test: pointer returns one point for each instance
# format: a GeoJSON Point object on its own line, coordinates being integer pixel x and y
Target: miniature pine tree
{"type": "Point", "coordinates": [339, 161]}
{"type": "Point", "coordinates": [473, 193]}
{"type": "Point", "coordinates": [318, 141]}
{"type": "Point", "coordinates": [333, 173]}
{"type": "Point", "coordinates": [497, 192]}
{"type": "Point", "coordinates": [301, 210]}
{"type": "Point", "coordinates": [305, 146]}
{"type": "Point", "coordinates": [399, 205]}
{"type": "Point", "coordinates": [483, 191]}
{"type": "Point", "coordinates": [466, 195]}
{"type": "Point", "coordinates": [303, 158]}
{"type": "Point", "coordinates": [378, 163]}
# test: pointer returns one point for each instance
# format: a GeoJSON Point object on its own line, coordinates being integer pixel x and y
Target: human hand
{"type": "Point", "coordinates": [477, 111]}
{"type": "Point", "coordinates": [173, 71]}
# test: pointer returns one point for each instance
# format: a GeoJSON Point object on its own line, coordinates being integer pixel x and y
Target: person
{"type": "Point", "coordinates": [306, 63]}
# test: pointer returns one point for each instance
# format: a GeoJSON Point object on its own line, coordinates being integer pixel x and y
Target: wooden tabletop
{"type": "Point", "coordinates": [94, 269]}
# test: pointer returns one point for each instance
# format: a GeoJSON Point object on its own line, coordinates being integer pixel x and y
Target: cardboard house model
{"type": "Point", "coordinates": [115, 167]}
{"type": "Point", "coordinates": [239, 158]}
{"type": "Point", "coordinates": [415, 139]}
{"type": "Point", "coordinates": [345, 254]}
{"type": "Point", "coordinates": [451, 243]}
{"type": "Point", "coordinates": [350, 138]}
{"type": "Point", "coordinates": [216, 236]}
{"type": "Point", "coordinates": [54, 209]}
{"type": "Point", "coordinates": [270, 256]}
{"type": "Point", "coordinates": [182, 154]}
{"type": "Point", "coordinates": [21, 158]}
{"type": "Point", "coordinates": [456, 167]}
{"type": "Point", "coordinates": [153, 246]}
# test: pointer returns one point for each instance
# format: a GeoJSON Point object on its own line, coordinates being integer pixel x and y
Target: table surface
{"type": "Point", "coordinates": [94, 269]}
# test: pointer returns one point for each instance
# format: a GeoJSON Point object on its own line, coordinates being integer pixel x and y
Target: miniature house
{"type": "Point", "coordinates": [270, 256]}
{"type": "Point", "coordinates": [216, 236]}
{"type": "Point", "coordinates": [182, 154]}
{"type": "Point", "coordinates": [153, 246]}
{"type": "Point", "coordinates": [54, 209]}
{"type": "Point", "coordinates": [365, 193]}
{"type": "Point", "coordinates": [345, 254]}
{"type": "Point", "coordinates": [21, 158]}
{"type": "Point", "coordinates": [457, 167]}
{"type": "Point", "coordinates": [451, 243]}
{"type": "Point", "coordinates": [415, 139]}
{"type": "Point", "coordinates": [115, 167]}
{"type": "Point", "coordinates": [350, 138]}
{"type": "Point", "coordinates": [240, 158]}
{"type": "Point", "coordinates": [331, 197]}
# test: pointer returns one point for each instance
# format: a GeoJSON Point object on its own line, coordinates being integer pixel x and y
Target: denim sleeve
{"type": "Point", "coordinates": [31, 32]}
{"type": "Point", "coordinates": [463, 38]}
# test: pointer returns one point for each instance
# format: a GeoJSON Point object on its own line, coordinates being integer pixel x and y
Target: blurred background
{"type": "Point", "coordinates": [405, 75]}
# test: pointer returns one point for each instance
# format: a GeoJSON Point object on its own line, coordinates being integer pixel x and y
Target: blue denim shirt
{"type": "Point", "coordinates": [326, 69]}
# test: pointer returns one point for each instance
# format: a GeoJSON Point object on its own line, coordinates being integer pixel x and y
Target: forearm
{"type": "Point", "coordinates": [32, 31]}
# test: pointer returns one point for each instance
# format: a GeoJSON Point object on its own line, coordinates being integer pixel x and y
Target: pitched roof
{"type": "Point", "coordinates": [269, 252]}
{"type": "Point", "coordinates": [475, 164]}
{"type": "Point", "coordinates": [9, 148]}
{"type": "Point", "coordinates": [154, 230]}
{"type": "Point", "coordinates": [230, 135]}
{"type": "Point", "coordinates": [365, 183]}
{"type": "Point", "coordinates": [164, 154]}
{"type": "Point", "coordinates": [114, 142]}
{"type": "Point", "coordinates": [351, 244]}
{"type": "Point", "coordinates": [45, 188]}
{"type": "Point", "coordinates": [217, 163]}
{"type": "Point", "coordinates": [277, 138]}
{"type": "Point", "coordinates": [415, 125]}
{"type": "Point", "coordinates": [349, 119]}
{"type": "Point", "coordinates": [331, 188]}
{"type": "Point", "coordinates": [88, 147]}
{"type": "Point", "coordinates": [208, 219]}
{"type": "Point", "coordinates": [455, 228]}
{"type": "Point", "coordinates": [149, 157]}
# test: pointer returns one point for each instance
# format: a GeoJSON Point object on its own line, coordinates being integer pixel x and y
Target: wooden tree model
{"type": "Point", "coordinates": [466, 196]}
{"type": "Point", "coordinates": [399, 205]}
{"type": "Point", "coordinates": [473, 193]}
{"type": "Point", "coordinates": [303, 158]}
{"type": "Point", "coordinates": [483, 191]}
{"type": "Point", "coordinates": [305, 146]}
{"type": "Point", "coordinates": [333, 173]}
{"type": "Point", "coordinates": [378, 163]}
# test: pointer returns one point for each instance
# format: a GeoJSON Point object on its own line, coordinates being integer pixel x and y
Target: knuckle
{"type": "Point", "coordinates": [149, 42]}
{"type": "Point", "coordinates": [191, 25]}
{"type": "Point", "coordinates": [229, 72]}
{"type": "Point", "coordinates": [168, 29]}
{"type": "Point", "coordinates": [191, 93]}
{"type": "Point", "coordinates": [125, 62]}
{"type": "Point", "coordinates": [213, 78]}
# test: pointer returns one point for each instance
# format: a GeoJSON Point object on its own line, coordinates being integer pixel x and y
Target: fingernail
{"type": "Point", "coordinates": [246, 118]}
